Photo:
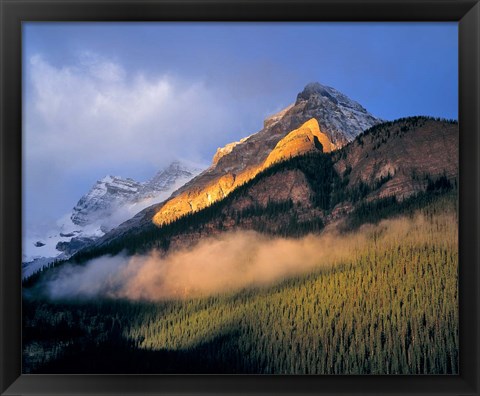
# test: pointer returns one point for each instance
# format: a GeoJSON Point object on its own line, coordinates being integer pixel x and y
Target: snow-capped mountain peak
{"type": "Point", "coordinates": [111, 201]}
{"type": "Point", "coordinates": [335, 112]}
{"type": "Point", "coordinates": [166, 178]}
{"type": "Point", "coordinates": [114, 199]}
{"type": "Point", "coordinates": [102, 198]}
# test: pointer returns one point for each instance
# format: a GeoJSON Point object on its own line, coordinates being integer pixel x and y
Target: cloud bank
{"type": "Point", "coordinates": [242, 259]}
{"type": "Point", "coordinates": [227, 263]}
{"type": "Point", "coordinates": [97, 108]}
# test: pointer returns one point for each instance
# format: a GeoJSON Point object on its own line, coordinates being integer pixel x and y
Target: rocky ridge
{"type": "Point", "coordinates": [399, 160]}
{"type": "Point", "coordinates": [337, 118]}
{"type": "Point", "coordinates": [240, 161]}
{"type": "Point", "coordinates": [302, 140]}
{"type": "Point", "coordinates": [395, 159]}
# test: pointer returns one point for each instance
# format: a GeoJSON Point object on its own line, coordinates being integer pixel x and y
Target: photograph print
{"type": "Point", "coordinates": [240, 198]}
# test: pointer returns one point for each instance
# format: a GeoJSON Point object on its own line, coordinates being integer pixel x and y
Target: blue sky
{"type": "Point", "coordinates": [127, 98]}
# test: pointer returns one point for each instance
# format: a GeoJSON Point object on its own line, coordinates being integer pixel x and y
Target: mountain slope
{"type": "Point", "coordinates": [167, 180]}
{"type": "Point", "coordinates": [336, 117]}
{"type": "Point", "coordinates": [306, 138]}
{"type": "Point", "coordinates": [298, 142]}
{"type": "Point", "coordinates": [402, 152]}
{"type": "Point", "coordinates": [303, 194]}
{"type": "Point", "coordinates": [342, 118]}
{"type": "Point", "coordinates": [111, 194]}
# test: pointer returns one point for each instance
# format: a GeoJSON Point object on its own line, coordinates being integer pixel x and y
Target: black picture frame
{"type": "Point", "coordinates": [14, 12]}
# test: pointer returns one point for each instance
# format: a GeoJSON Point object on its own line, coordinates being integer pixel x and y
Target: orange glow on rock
{"type": "Point", "coordinates": [297, 142]}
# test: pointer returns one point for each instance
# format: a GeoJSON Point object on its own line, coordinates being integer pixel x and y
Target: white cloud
{"type": "Point", "coordinates": [101, 68]}
{"type": "Point", "coordinates": [97, 110]}
{"type": "Point", "coordinates": [95, 117]}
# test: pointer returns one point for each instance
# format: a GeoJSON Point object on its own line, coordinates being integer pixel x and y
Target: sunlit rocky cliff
{"type": "Point", "coordinates": [320, 119]}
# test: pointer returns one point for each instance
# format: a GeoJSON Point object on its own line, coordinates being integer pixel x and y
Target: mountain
{"type": "Point", "coordinates": [167, 180]}
{"type": "Point", "coordinates": [337, 118]}
{"type": "Point", "coordinates": [196, 196]}
{"type": "Point", "coordinates": [399, 157]}
{"type": "Point", "coordinates": [111, 201]}
{"type": "Point", "coordinates": [300, 173]}
{"type": "Point", "coordinates": [300, 141]}
{"type": "Point", "coordinates": [332, 116]}
{"type": "Point", "coordinates": [390, 165]}
{"type": "Point", "coordinates": [103, 201]}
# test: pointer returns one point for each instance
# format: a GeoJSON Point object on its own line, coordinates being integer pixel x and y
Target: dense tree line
{"type": "Point", "coordinates": [377, 210]}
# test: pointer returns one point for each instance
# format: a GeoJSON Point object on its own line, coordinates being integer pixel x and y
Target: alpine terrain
{"type": "Point", "coordinates": [320, 117]}
{"type": "Point", "coordinates": [324, 243]}
{"type": "Point", "coordinates": [110, 201]}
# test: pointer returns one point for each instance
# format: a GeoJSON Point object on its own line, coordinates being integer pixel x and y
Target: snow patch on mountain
{"type": "Point", "coordinates": [111, 201]}
{"type": "Point", "coordinates": [103, 199]}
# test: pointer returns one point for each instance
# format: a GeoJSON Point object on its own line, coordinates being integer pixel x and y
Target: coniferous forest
{"type": "Point", "coordinates": [388, 307]}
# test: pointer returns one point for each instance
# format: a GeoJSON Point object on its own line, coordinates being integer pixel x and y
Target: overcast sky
{"type": "Point", "coordinates": [128, 98]}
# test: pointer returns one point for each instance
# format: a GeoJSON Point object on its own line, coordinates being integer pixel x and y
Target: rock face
{"type": "Point", "coordinates": [166, 180]}
{"type": "Point", "coordinates": [227, 149]}
{"type": "Point", "coordinates": [280, 187]}
{"type": "Point", "coordinates": [74, 245]}
{"type": "Point", "coordinates": [273, 119]}
{"type": "Point", "coordinates": [333, 117]}
{"type": "Point", "coordinates": [339, 116]}
{"type": "Point", "coordinates": [299, 141]}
